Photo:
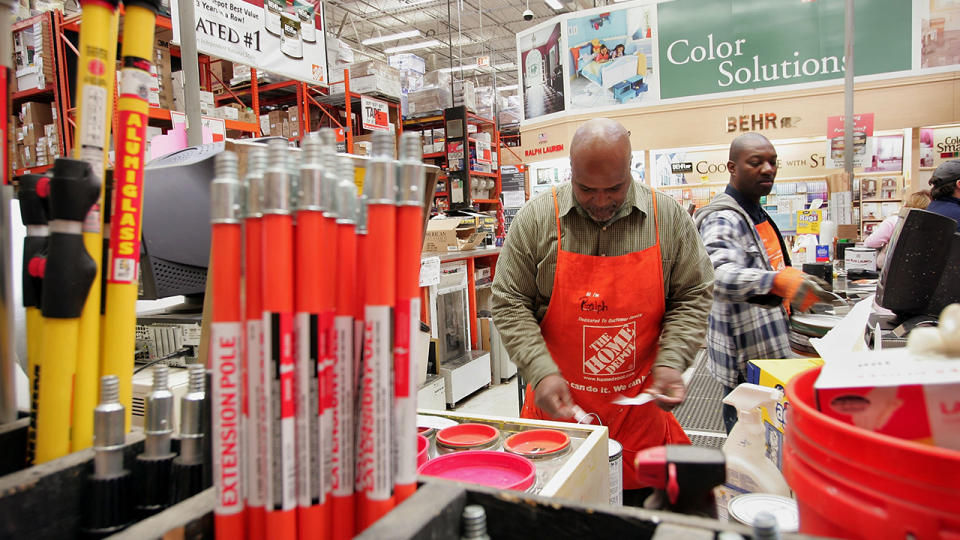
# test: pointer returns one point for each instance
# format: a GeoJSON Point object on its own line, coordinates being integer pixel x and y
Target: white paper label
{"type": "Point", "coordinates": [342, 466]}
{"type": "Point", "coordinates": [305, 326]}
{"type": "Point", "coordinates": [255, 436]}
{"type": "Point", "coordinates": [375, 440]}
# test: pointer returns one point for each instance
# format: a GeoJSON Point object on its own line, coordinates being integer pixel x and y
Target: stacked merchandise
{"type": "Point", "coordinates": [33, 57]}
{"type": "Point", "coordinates": [369, 77]}
{"type": "Point", "coordinates": [432, 98]}
{"type": "Point", "coordinates": [207, 103]}
{"type": "Point", "coordinates": [433, 140]}
{"type": "Point", "coordinates": [317, 323]}
{"type": "Point", "coordinates": [412, 69]}
{"type": "Point", "coordinates": [35, 142]}
{"type": "Point", "coordinates": [464, 94]}
{"type": "Point", "coordinates": [485, 102]}
{"type": "Point", "coordinates": [510, 110]}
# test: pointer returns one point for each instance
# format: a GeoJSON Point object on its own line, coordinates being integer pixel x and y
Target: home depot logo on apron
{"type": "Point", "coordinates": [602, 328]}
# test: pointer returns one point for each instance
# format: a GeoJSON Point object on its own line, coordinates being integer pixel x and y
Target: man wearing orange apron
{"type": "Point", "coordinates": [602, 290]}
{"type": "Point", "coordinates": [755, 285]}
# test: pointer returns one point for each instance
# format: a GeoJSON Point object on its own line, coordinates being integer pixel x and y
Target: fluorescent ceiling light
{"type": "Point", "coordinates": [505, 66]}
{"type": "Point", "coordinates": [412, 46]}
{"type": "Point", "coordinates": [458, 68]}
{"type": "Point", "coordinates": [391, 37]}
{"type": "Point", "coordinates": [508, 88]}
{"type": "Point", "coordinates": [554, 4]}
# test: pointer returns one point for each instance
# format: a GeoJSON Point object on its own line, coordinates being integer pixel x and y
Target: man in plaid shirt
{"type": "Point", "coordinates": [754, 287]}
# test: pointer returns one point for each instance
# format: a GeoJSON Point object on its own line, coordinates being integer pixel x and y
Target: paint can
{"type": "Point", "coordinates": [546, 448]}
{"type": "Point", "coordinates": [500, 470]}
{"type": "Point", "coordinates": [469, 436]}
{"type": "Point", "coordinates": [615, 455]}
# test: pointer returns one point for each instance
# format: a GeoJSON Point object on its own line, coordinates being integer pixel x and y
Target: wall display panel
{"type": "Point", "coordinates": [539, 51]}
{"type": "Point", "coordinates": [939, 33]}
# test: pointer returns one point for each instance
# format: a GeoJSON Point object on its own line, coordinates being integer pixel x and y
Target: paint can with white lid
{"type": "Point", "coordinates": [615, 455]}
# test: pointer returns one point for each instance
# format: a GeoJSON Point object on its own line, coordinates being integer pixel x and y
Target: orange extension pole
{"type": "Point", "coordinates": [410, 180]}
{"type": "Point", "coordinates": [344, 380]}
{"type": "Point", "coordinates": [359, 326]}
{"type": "Point", "coordinates": [226, 345]}
{"type": "Point", "coordinates": [376, 397]}
{"type": "Point", "coordinates": [278, 345]}
{"type": "Point", "coordinates": [309, 274]}
{"type": "Point", "coordinates": [253, 352]}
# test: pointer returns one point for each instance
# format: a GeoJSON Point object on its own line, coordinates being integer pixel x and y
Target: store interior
{"type": "Point", "coordinates": [263, 266]}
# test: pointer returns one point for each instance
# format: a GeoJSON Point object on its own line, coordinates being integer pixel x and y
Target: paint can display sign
{"type": "Point", "coordinates": [375, 114]}
{"type": "Point", "coordinates": [271, 35]}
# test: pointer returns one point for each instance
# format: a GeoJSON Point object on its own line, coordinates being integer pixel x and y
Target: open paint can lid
{"type": "Point", "coordinates": [468, 435]}
{"type": "Point", "coordinates": [494, 469]}
{"type": "Point", "coordinates": [538, 443]}
{"type": "Point", "coordinates": [745, 509]}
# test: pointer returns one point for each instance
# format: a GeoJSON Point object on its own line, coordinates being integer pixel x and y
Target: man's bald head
{"type": "Point", "coordinates": [745, 141]}
{"type": "Point", "coordinates": [600, 167]}
{"type": "Point", "coordinates": [601, 135]}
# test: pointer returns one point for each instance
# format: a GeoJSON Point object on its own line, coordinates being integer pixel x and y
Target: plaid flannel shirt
{"type": "Point", "coordinates": [738, 330]}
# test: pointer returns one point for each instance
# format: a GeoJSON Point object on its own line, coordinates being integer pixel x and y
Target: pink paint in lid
{"type": "Point", "coordinates": [494, 469]}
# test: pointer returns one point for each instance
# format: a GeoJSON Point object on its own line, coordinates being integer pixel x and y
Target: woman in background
{"type": "Point", "coordinates": [880, 237]}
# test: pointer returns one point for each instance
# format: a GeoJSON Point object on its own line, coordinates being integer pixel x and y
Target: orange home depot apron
{"type": "Point", "coordinates": [602, 328]}
{"type": "Point", "coordinates": [771, 244]}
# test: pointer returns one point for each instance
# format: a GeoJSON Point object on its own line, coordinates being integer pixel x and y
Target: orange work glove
{"type": "Point", "coordinates": [802, 290]}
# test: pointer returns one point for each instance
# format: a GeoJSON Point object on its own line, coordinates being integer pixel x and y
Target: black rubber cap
{"type": "Point", "coordinates": [33, 207]}
{"type": "Point", "coordinates": [33, 246]}
{"type": "Point", "coordinates": [74, 188]}
{"type": "Point", "coordinates": [107, 505]}
{"type": "Point", "coordinates": [187, 480]}
{"type": "Point", "coordinates": [153, 485]}
{"type": "Point", "coordinates": [152, 5]}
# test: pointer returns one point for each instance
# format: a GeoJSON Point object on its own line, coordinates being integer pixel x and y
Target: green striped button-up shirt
{"type": "Point", "coordinates": [523, 281]}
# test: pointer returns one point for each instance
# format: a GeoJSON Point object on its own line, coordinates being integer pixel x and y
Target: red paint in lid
{"type": "Point", "coordinates": [423, 446]}
{"type": "Point", "coordinates": [494, 469]}
{"type": "Point", "coordinates": [467, 435]}
{"type": "Point", "coordinates": [537, 442]}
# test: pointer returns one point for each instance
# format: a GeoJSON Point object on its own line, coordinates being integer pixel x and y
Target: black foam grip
{"type": "Point", "coordinates": [74, 188]}
{"type": "Point", "coordinates": [153, 485]}
{"type": "Point", "coordinates": [33, 207]}
{"type": "Point", "coordinates": [107, 505]}
{"type": "Point", "coordinates": [68, 277]}
{"type": "Point", "coordinates": [187, 480]}
{"type": "Point", "coordinates": [33, 246]}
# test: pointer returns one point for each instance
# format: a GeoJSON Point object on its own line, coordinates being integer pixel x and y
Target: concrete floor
{"type": "Point", "coordinates": [497, 400]}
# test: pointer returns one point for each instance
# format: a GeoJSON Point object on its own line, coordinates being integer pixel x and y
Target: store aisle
{"type": "Point", "coordinates": [497, 400]}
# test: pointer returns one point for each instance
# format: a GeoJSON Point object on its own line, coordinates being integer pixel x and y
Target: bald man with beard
{"type": "Point", "coordinates": [603, 289]}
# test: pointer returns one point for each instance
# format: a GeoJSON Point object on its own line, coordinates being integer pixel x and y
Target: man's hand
{"type": "Point", "coordinates": [802, 290]}
{"type": "Point", "coordinates": [668, 387]}
{"type": "Point", "coordinates": [553, 397]}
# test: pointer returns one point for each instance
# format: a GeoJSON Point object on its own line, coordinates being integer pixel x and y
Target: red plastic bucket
{"type": "Point", "coordinates": [853, 483]}
{"type": "Point", "coordinates": [423, 445]}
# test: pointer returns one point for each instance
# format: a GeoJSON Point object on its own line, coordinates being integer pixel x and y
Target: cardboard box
{"type": "Point", "coordinates": [451, 234]}
{"type": "Point", "coordinates": [895, 393]}
{"type": "Point", "coordinates": [37, 114]}
{"type": "Point", "coordinates": [386, 83]}
{"type": "Point", "coordinates": [776, 374]}
{"type": "Point", "coordinates": [222, 73]}
{"type": "Point", "coordinates": [227, 112]}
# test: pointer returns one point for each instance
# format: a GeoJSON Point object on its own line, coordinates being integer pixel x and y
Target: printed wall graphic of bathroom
{"type": "Point", "coordinates": [939, 37]}
{"type": "Point", "coordinates": [279, 36]}
{"type": "Point", "coordinates": [610, 57]}
{"type": "Point", "coordinates": [541, 72]}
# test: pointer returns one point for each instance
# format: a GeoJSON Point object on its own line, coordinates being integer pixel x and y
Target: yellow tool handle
{"type": "Point", "coordinates": [96, 83]}
{"type": "Point", "coordinates": [120, 317]}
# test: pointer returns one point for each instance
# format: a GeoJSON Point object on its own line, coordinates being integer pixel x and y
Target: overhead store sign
{"type": "Point", "coordinates": [646, 52]}
{"type": "Point", "coordinates": [375, 114]}
{"type": "Point", "coordinates": [268, 35]}
{"type": "Point", "coordinates": [710, 47]}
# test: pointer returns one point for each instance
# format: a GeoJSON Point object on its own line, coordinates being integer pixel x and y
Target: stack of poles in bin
{"type": "Point", "coordinates": [315, 316]}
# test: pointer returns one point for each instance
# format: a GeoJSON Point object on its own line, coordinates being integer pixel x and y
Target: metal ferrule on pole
{"type": "Point", "coordinates": [347, 203]}
{"type": "Point", "coordinates": [310, 191]}
{"type": "Point", "coordinates": [226, 192]}
{"type": "Point", "coordinates": [256, 164]}
{"type": "Point", "coordinates": [411, 172]}
{"type": "Point", "coordinates": [108, 430]}
{"type": "Point", "coordinates": [158, 416]}
{"type": "Point", "coordinates": [276, 179]}
{"type": "Point", "coordinates": [191, 417]}
{"type": "Point", "coordinates": [331, 177]}
{"type": "Point", "coordinates": [380, 184]}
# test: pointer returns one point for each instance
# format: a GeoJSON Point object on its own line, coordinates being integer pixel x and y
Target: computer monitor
{"type": "Point", "coordinates": [922, 273]}
{"type": "Point", "coordinates": [176, 223]}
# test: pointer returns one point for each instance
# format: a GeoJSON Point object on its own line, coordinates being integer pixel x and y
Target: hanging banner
{"type": "Point", "coordinates": [863, 143]}
{"type": "Point", "coordinates": [712, 47]}
{"type": "Point", "coordinates": [268, 35]}
{"type": "Point", "coordinates": [375, 114]}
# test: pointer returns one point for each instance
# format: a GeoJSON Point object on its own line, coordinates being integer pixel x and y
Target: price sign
{"type": "Point", "coordinates": [483, 152]}
{"type": "Point", "coordinates": [375, 113]}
